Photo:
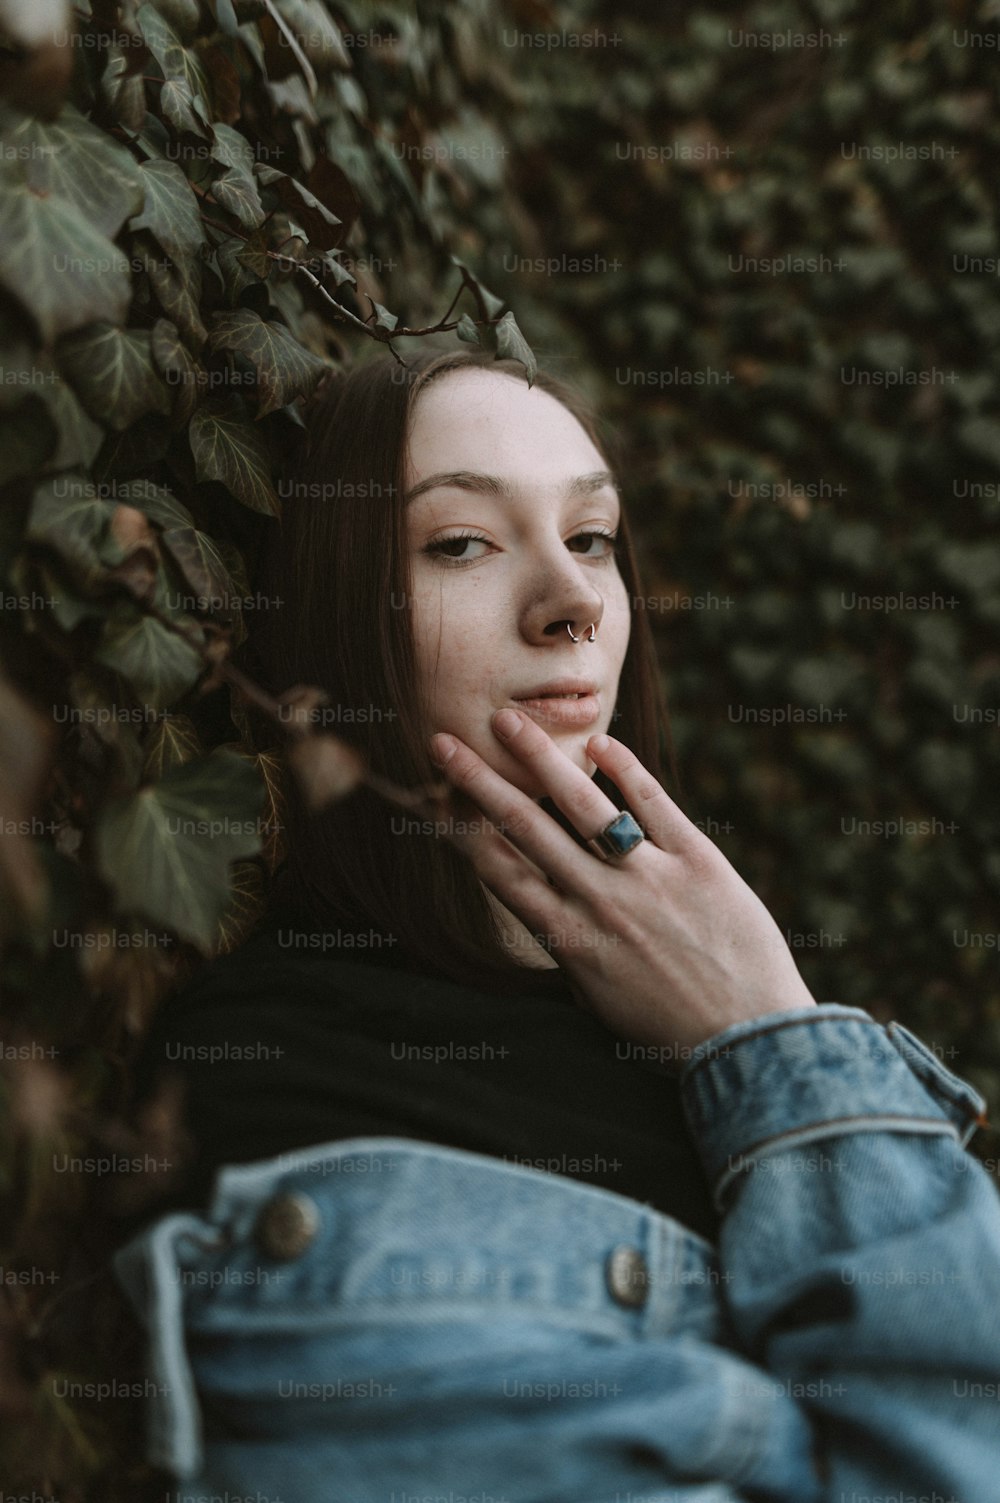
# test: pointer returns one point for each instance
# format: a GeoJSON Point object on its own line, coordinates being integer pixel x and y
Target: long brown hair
{"type": "Point", "coordinates": [338, 563]}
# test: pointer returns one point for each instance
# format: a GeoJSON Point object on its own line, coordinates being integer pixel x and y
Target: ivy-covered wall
{"type": "Point", "coordinates": [773, 230]}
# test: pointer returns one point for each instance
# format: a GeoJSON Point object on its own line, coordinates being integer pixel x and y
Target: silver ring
{"type": "Point", "coordinates": [619, 836]}
{"type": "Point", "coordinates": [593, 631]}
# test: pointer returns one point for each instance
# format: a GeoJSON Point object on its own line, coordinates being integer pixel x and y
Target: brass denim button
{"type": "Point", "coordinates": [627, 1277]}
{"type": "Point", "coordinates": [287, 1225]}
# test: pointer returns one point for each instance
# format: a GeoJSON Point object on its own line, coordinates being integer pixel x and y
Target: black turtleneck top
{"type": "Point", "coordinates": [282, 1045]}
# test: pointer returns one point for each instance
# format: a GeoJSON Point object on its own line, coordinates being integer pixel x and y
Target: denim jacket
{"type": "Point", "coordinates": [393, 1320]}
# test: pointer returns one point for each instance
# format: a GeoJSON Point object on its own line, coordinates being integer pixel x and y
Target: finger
{"type": "Point", "coordinates": [665, 824]}
{"type": "Point", "coordinates": [577, 795]}
{"type": "Point", "coordinates": [514, 879]}
{"type": "Point", "coordinates": [520, 819]}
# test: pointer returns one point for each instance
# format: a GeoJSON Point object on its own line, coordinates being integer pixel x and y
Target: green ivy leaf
{"type": "Point", "coordinates": [58, 266]}
{"type": "Point", "coordinates": [170, 210]}
{"type": "Point", "coordinates": [68, 516]}
{"type": "Point", "coordinates": [70, 159]}
{"type": "Point", "coordinates": [228, 448]}
{"type": "Point", "coordinates": [236, 189]}
{"type": "Point", "coordinates": [80, 438]}
{"type": "Point", "coordinates": [184, 111]}
{"type": "Point", "coordinates": [285, 368]}
{"type": "Point", "coordinates": [183, 375]}
{"type": "Point", "coordinates": [123, 90]}
{"type": "Point", "coordinates": [177, 285]}
{"type": "Point", "coordinates": [383, 318]}
{"type": "Point", "coordinates": [467, 330]}
{"type": "Point", "coordinates": [157, 663]}
{"type": "Point", "coordinates": [113, 374]}
{"type": "Point", "coordinates": [203, 568]}
{"type": "Point", "coordinates": [166, 851]}
{"type": "Point", "coordinates": [179, 66]}
{"type": "Point", "coordinates": [512, 345]}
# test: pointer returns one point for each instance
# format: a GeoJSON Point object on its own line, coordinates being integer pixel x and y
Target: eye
{"type": "Point", "coordinates": [608, 539]}
{"type": "Point", "coordinates": [439, 548]}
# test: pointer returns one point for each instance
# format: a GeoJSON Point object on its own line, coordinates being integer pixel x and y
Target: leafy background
{"type": "Point", "coordinates": [207, 204]}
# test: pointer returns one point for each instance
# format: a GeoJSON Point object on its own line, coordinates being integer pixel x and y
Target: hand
{"type": "Point", "coordinates": [667, 945]}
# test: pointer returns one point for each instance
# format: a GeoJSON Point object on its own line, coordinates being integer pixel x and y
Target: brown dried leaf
{"type": "Point", "coordinates": [327, 769]}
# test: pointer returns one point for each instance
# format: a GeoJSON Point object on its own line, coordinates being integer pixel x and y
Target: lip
{"type": "Point", "coordinates": [558, 686]}
{"type": "Point", "coordinates": [550, 703]}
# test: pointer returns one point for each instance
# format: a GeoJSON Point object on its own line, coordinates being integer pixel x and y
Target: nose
{"type": "Point", "coordinates": [563, 594]}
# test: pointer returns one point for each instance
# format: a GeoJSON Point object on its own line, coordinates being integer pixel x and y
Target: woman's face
{"type": "Point", "coordinates": [503, 491]}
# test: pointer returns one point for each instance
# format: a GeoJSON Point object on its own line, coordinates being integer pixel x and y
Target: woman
{"type": "Point", "coordinates": [528, 1168]}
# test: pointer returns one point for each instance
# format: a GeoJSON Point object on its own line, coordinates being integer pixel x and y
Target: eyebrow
{"type": "Point", "coordinates": [493, 485]}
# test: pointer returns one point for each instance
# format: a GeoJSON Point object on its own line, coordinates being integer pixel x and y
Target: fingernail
{"type": "Point", "coordinates": [507, 723]}
{"type": "Point", "coordinates": [599, 743]}
{"type": "Point", "coordinates": [442, 748]}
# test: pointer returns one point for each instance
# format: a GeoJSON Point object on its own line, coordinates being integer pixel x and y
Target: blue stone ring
{"type": "Point", "coordinates": [617, 838]}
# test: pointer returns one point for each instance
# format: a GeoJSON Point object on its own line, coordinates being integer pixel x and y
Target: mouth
{"type": "Point", "coordinates": [566, 707]}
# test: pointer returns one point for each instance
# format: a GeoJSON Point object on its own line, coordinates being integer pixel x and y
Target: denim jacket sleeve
{"type": "Point", "coordinates": [861, 1244]}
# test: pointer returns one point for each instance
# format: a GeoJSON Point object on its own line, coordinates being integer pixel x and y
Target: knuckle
{"type": "Point", "coordinates": [647, 788]}
{"type": "Point", "coordinates": [590, 803]}
{"type": "Point", "coordinates": [467, 768]}
{"type": "Point", "coordinates": [515, 821]}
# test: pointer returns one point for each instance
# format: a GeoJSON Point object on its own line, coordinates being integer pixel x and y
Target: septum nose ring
{"type": "Point", "coordinates": [593, 631]}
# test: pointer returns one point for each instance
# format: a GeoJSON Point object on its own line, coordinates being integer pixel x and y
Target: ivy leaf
{"type": "Point", "coordinates": [467, 330]}
{"type": "Point", "coordinates": [512, 345]}
{"type": "Point", "coordinates": [58, 266]}
{"type": "Point", "coordinates": [113, 374]}
{"type": "Point", "coordinates": [80, 439]}
{"type": "Point", "coordinates": [157, 663]}
{"type": "Point", "coordinates": [235, 273]}
{"type": "Point", "coordinates": [285, 368]}
{"type": "Point", "coordinates": [172, 742]}
{"type": "Point", "coordinates": [236, 189]}
{"type": "Point", "coordinates": [178, 65]}
{"type": "Point", "coordinates": [203, 568]}
{"type": "Point", "coordinates": [166, 851]}
{"type": "Point", "coordinates": [122, 88]}
{"type": "Point", "coordinates": [182, 109]}
{"type": "Point", "coordinates": [170, 210]}
{"type": "Point", "coordinates": [340, 274]}
{"type": "Point", "coordinates": [182, 15]}
{"type": "Point", "coordinates": [68, 516]}
{"type": "Point", "coordinates": [70, 159]}
{"type": "Point", "coordinates": [253, 255]}
{"type": "Point", "coordinates": [245, 906]}
{"type": "Point", "coordinates": [175, 364]}
{"type": "Point", "coordinates": [158, 504]}
{"type": "Point", "coordinates": [228, 448]}
{"type": "Point", "coordinates": [324, 229]}
{"type": "Point", "coordinates": [383, 318]}
{"type": "Point", "coordinates": [177, 285]}
{"type": "Point", "coordinates": [270, 768]}
{"type": "Point", "coordinates": [488, 302]}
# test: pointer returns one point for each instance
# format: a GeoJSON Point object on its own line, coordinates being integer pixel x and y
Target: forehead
{"type": "Point", "coordinates": [482, 420]}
